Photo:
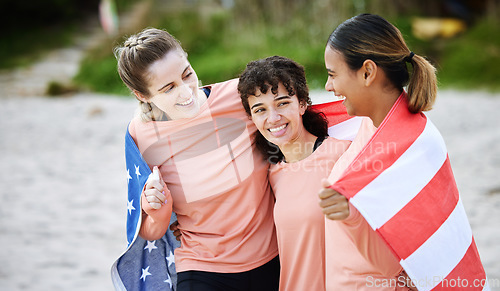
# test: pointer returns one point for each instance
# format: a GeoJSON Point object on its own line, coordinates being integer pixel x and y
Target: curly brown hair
{"type": "Point", "coordinates": [266, 74]}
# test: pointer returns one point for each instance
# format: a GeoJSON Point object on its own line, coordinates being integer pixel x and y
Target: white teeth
{"type": "Point", "coordinates": [277, 128]}
{"type": "Point", "coordinates": [186, 102]}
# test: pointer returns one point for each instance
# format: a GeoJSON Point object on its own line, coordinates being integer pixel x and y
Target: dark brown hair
{"type": "Point", "coordinates": [369, 36]}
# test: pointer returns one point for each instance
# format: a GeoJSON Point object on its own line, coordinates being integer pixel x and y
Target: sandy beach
{"type": "Point", "coordinates": [63, 210]}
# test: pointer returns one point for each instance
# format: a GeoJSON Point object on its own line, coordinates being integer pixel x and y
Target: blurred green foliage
{"type": "Point", "coordinates": [472, 60]}
{"type": "Point", "coordinates": [30, 29]}
{"type": "Point", "coordinates": [221, 41]}
{"type": "Point", "coordinates": [19, 49]}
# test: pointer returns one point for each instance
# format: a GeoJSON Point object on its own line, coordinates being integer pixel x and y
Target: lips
{"type": "Point", "coordinates": [187, 102]}
{"type": "Point", "coordinates": [275, 129]}
{"type": "Point", "coordinates": [279, 130]}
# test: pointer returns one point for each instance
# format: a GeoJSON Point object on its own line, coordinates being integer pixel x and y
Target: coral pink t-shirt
{"type": "Point", "coordinates": [218, 182]}
{"type": "Point", "coordinates": [356, 257]}
{"type": "Point", "coordinates": [299, 219]}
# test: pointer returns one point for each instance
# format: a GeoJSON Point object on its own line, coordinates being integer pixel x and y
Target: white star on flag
{"type": "Point", "coordinates": [151, 246]}
{"type": "Point", "coordinates": [169, 281]}
{"type": "Point", "coordinates": [157, 271]}
{"type": "Point", "coordinates": [128, 176]}
{"type": "Point", "coordinates": [130, 207]}
{"type": "Point", "coordinates": [145, 273]}
{"type": "Point", "coordinates": [137, 172]}
{"type": "Point", "coordinates": [170, 259]}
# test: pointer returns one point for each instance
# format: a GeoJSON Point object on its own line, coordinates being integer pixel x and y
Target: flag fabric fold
{"type": "Point", "coordinates": [402, 183]}
{"type": "Point", "coordinates": [340, 124]}
{"type": "Point", "coordinates": [145, 265]}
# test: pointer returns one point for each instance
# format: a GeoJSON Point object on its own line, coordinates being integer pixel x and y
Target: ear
{"type": "Point", "coordinates": [369, 72]}
{"type": "Point", "coordinates": [141, 97]}
{"type": "Point", "coordinates": [302, 107]}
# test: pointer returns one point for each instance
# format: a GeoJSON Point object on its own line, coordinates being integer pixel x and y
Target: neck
{"type": "Point", "coordinates": [300, 148]}
{"type": "Point", "coordinates": [383, 107]}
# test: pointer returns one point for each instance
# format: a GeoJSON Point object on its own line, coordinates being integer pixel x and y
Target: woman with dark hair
{"type": "Point", "coordinates": [396, 173]}
{"type": "Point", "coordinates": [294, 139]}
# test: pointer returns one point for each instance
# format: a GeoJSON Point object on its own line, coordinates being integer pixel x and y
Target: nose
{"type": "Point", "coordinates": [185, 91]}
{"type": "Point", "coordinates": [274, 116]}
{"type": "Point", "coordinates": [329, 85]}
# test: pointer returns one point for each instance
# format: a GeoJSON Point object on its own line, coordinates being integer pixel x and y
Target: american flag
{"type": "Point", "coordinates": [145, 265]}
{"type": "Point", "coordinates": [403, 185]}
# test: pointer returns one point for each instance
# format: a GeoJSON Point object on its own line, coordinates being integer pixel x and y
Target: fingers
{"type": "Point", "coordinates": [334, 200]}
{"type": "Point", "coordinates": [337, 215]}
{"type": "Point", "coordinates": [156, 173]}
{"type": "Point", "coordinates": [334, 205]}
{"type": "Point", "coordinates": [154, 190]}
{"type": "Point", "coordinates": [155, 198]}
{"type": "Point", "coordinates": [177, 234]}
{"type": "Point", "coordinates": [174, 227]}
{"type": "Point", "coordinates": [155, 180]}
{"type": "Point", "coordinates": [326, 191]}
{"type": "Point", "coordinates": [338, 210]}
{"type": "Point", "coordinates": [325, 183]}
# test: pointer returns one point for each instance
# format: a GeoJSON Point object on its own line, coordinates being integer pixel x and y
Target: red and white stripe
{"type": "Point", "coordinates": [403, 185]}
{"type": "Point", "coordinates": [340, 125]}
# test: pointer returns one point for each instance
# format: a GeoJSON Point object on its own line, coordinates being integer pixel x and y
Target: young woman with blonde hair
{"type": "Point", "coordinates": [198, 141]}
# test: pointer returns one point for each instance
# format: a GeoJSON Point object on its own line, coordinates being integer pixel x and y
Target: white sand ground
{"type": "Point", "coordinates": [63, 196]}
{"type": "Point", "coordinates": [63, 210]}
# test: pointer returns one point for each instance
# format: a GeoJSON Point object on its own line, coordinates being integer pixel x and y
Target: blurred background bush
{"type": "Point", "coordinates": [460, 37]}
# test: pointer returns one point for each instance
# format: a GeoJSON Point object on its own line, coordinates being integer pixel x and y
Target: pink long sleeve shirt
{"type": "Point", "coordinates": [299, 219]}
{"type": "Point", "coordinates": [356, 257]}
{"type": "Point", "coordinates": [218, 183]}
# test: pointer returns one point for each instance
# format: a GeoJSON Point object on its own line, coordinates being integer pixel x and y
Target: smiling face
{"type": "Point", "coordinates": [278, 117]}
{"type": "Point", "coordinates": [173, 85]}
{"type": "Point", "coordinates": [346, 83]}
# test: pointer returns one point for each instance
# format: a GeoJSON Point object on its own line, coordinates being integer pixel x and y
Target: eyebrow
{"type": "Point", "coordinates": [275, 99]}
{"type": "Point", "coordinates": [161, 89]}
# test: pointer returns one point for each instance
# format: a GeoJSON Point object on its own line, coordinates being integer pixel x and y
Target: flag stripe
{"type": "Point", "coordinates": [335, 111]}
{"type": "Point", "coordinates": [467, 275]}
{"type": "Point", "coordinates": [402, 184]}
{"type": "Point", "coordinates": [382, 198]}
{"type": "Point", "coordinates": [346, 130]}
{"type": "Point", "coordinates": [447, 246]}
{"type": "Point", "coordinates": [430, 202]}
{"type": "Point", "coordinates": [383, 149]}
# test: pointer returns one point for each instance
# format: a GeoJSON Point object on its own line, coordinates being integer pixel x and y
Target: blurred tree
{"type": "Point", "coordinates": [21, 14]}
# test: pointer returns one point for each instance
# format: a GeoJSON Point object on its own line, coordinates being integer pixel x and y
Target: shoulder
{"type": "Point", "coordinates": [225, 95]}
{"type": "Point", "coordinates": [337, 145]}
{"type": "Point", "coordinates": [226, 86]}
{"type": "Point", "coordinates": [132, 127]}
{"type": "Point", "coordinates": [137, 127]}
